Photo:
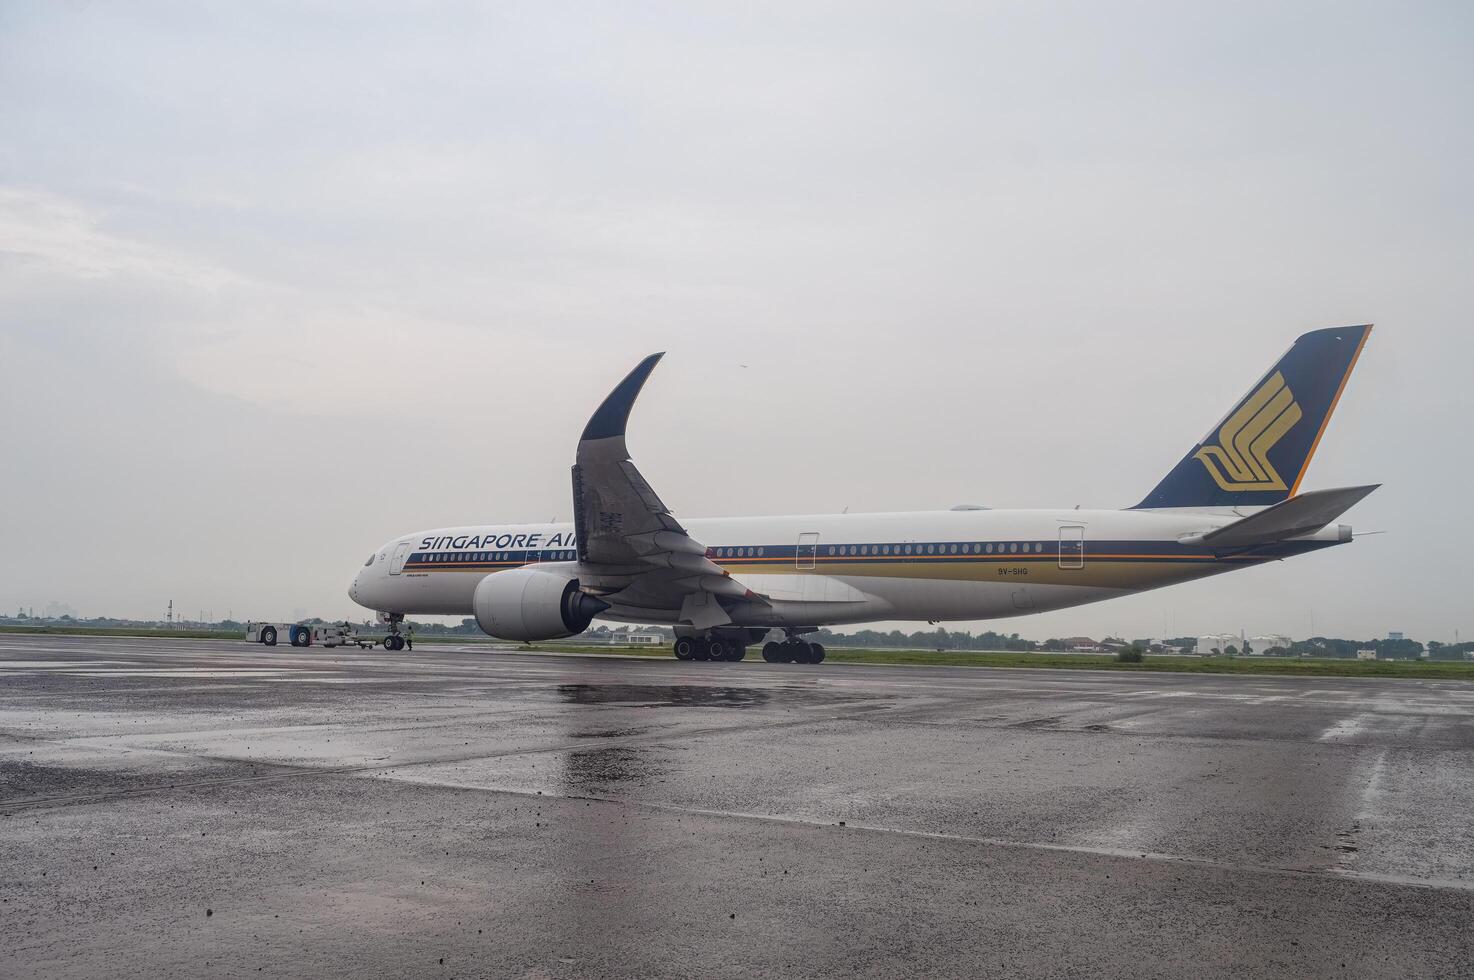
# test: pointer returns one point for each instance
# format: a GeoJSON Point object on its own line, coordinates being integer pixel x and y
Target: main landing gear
{"type": "Point", "coordinates": [732, 646]}
{"type": "Point", "coordinates": [793, 651]}
{"type": "Point", "coordinates": [709, 648]}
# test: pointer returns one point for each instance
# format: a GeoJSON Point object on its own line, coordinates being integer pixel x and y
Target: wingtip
{"type": "Point", "coordinates": [1359, 331]}
{"type": "Point", "coordinates": [613, 413]}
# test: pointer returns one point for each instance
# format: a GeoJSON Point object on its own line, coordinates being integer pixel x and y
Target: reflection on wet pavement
{"type": "Point", "coordinates": [664, 696]}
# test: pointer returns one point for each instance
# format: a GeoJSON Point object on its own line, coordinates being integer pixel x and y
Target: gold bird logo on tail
{"type": "Point", "coordinates": [1240, 461]}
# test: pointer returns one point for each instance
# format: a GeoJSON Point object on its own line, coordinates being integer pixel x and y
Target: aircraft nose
{"type": "Point", "coordinates": [353, 588]}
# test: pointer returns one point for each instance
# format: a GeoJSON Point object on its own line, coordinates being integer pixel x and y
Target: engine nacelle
{"type": "Point", "coordinates": [533, 604]}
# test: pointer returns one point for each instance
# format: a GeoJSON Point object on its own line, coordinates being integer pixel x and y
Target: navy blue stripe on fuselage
{"type": "Point", "coordinates": [933, 552]}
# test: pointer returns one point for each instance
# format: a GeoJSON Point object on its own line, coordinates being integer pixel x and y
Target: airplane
{"type": "Point", "coordinates": [725, 584]}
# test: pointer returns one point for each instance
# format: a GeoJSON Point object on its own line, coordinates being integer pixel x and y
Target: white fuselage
{"type": "Point", "coordinates": [833, 569]}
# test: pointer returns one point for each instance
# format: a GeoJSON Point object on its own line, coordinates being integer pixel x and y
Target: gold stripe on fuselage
{"type": "Point", "coordinates": [1110, 571]}
{"type": "Point", "coordinates": [1099, 571]}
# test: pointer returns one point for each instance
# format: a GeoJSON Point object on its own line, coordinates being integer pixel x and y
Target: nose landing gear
{"type": "Point", "coordinates": [394, 640]}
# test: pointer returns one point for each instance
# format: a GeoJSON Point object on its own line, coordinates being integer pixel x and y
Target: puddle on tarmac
{"type": "Point", "coordinates": [610, 733]}
{"type": "Point", "coordinates": [663, 696]}
{"type": "Point", "coordinates": [595, 770]}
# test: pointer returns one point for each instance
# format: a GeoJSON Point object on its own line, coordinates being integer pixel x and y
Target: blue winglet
{"type": "Point", "coordinates": [614, 414]}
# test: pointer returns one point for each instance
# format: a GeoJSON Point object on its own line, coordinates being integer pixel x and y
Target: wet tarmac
{"type": "Point", "coordinates": [197, 808]}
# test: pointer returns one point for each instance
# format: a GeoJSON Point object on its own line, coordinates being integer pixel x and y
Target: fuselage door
{"type": "Point", "coordinates": [807, 551]}
{"type": "Point", "coordinates": [396, 564]}
{"type": "Point", "coordinates": [1072, 546]}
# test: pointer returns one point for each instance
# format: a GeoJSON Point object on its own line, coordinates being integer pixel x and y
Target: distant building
{"type": "Point", "coordinates": [1216, 641]}
{"type": "Point", "coordinates": [1262, 644]}
{"type": "Point", "coordinates": [1081, 644]}
{"type": "Point", "coordinates": [1366, 655]}
{"type": "Point", "coordinates": [1394, 635]}
{"type": "Point", "coordinates": [640, 638]}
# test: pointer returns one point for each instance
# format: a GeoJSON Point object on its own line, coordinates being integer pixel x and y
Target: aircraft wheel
{"type": "Point", "coordinates": [268, 636]}
{"type": "Point", "coordinates": [816, 653]}
{"type": "Point", "coordinates": [715, 650]}
{"type": "Point", "coordinates": [772, 653]}
{"type": "Point", "coordinates": [735, 652]}
{"type": "Point", "coordinates": [800, 654]}
{"type": "Point", "coordinates": [685, 648]}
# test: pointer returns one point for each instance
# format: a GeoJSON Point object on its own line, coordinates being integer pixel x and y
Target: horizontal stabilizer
{"type": "Point", "coordinates": [1305, 514]}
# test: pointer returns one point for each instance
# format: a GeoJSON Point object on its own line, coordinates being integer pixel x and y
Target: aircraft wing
{"type": "Point", "coordinates": [631, 549]}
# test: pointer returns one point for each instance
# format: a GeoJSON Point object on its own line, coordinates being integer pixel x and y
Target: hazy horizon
{"type": "Point", "coordinates": [279, 282]}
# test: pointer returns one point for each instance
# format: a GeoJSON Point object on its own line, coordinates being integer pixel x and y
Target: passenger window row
{"type": "Point", "coordinates": [840, 550]}
{"type": "Point", "coordinates": [964, 548]}
{"type": "Point", "coordinates": [461, 557]}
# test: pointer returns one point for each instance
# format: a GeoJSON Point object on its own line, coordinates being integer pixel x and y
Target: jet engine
{"type": "Point", "coordinates": [533, 604]}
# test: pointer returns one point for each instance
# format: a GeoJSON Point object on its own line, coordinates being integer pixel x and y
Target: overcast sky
{"type": "Point", "coordinates": [278, 282]}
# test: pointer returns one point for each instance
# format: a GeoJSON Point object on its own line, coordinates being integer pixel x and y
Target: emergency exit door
{"type": "Point", "coordinates": [1072, 546]}
{"type": "Point", "coordinates": [807, 551]}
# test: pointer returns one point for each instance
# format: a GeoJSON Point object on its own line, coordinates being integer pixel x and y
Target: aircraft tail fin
{"type": "Point", "coordinates": [1257, 455]}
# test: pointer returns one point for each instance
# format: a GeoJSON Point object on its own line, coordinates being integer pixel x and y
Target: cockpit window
{"type": "Point", "coordinates": [369, 562]}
